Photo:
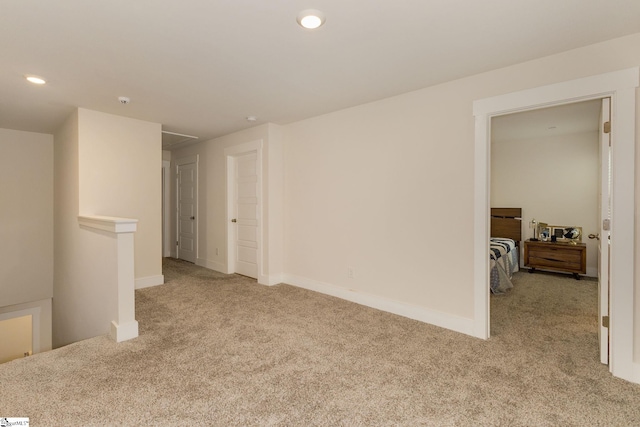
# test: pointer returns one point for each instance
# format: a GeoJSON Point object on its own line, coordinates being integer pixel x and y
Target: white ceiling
{"type": "Point", "coordinates": [200, 67]}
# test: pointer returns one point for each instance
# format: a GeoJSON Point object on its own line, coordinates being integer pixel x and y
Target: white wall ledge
{"type": "Point", "coordinates": [125, 326]}
{"type": "Point", "coordinates": [108, 223]}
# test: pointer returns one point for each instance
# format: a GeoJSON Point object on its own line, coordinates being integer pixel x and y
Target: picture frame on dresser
{"type": "Point", "coordinates": [564, 233]}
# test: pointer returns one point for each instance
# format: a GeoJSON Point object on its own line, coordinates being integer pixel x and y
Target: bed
{"type": "Point", "coordinates": [504, 257]}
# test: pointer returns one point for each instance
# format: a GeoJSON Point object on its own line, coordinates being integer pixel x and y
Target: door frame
{"type": "Point", "coordinates": [604, 208]}
{"type": "Point", "coordinates": [230, 154]}
{"type": "Point", "coordinates": [180, 162]}
{"type": "Point", "coordinates": [166, 208]}
{"type": "Point", "coordinates": [620, 86]}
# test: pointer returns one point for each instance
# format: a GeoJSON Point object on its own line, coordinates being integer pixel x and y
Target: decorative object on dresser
{"type": "Point", "coordinates": [567, 257]}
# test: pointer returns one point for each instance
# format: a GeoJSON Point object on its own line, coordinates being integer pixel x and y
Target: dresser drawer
{"type": "Point", "coordinates": [555, 256]}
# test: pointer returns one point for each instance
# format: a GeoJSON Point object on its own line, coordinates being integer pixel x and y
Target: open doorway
{"type": "Point", "coordinates": [620, 87]}
{"type": "Point", "coordinates": [546, 162]}
{"type": "Point", "coordinates": [549, 162]}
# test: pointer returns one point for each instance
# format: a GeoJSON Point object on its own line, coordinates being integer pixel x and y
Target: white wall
{"type": "Point", "coordinates": [26, 226]}
{"type": "Point", "coordinates": [387, 188]}
{"type": "Point", "coordinates": [103, 165]}
{"type": "Point", "coordinates": [535, 174]}
{"type": "Point", "coordinates": [211, 215]}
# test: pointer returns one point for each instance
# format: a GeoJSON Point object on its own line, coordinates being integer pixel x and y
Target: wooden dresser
{"type": "Point", "coordinates": [556, 256]}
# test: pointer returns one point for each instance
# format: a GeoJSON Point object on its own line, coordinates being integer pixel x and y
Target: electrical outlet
{"type": "Point", "coordinates": [350, 274]}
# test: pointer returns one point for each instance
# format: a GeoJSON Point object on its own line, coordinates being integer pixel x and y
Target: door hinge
{"type": "Point", "coordinates": [176, 243]}
{"type": "Point", "coordinates": [606, 224]}
{"type": "Point", "coordinates": [607, 127]}
{"type": "Point", "coordinates": [605, 321]}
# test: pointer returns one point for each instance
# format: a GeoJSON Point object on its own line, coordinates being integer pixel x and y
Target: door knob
{"type": "Point", "coordinates": [594, 236]}
{"type": "Point", "coordinates": [234, 220]}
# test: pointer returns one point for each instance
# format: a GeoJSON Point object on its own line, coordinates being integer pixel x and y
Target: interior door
{"type": "Point", "coordinates": [187, 204]}
{"type": "Point", "coordinates": [605, 235]}
{"type": "Point", "coordinates": [246, 214]}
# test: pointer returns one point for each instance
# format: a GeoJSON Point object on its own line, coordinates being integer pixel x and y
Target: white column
{"type": "Point", "coordinates": [125, 326]}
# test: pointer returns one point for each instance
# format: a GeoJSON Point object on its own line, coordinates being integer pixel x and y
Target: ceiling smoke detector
{"type": "Point", "coordinates": [124, 100]}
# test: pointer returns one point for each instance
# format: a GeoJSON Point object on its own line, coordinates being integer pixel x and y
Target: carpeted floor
{"type": "Point", "coordinates": [221, 350]}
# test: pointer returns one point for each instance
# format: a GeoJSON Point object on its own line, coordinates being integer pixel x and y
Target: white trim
{"type": "Point", "coordinates": [212, 265]}
{"type": "Point", "coordinates": [111, 224]}
{"type": "Point", "coordinates": [230, 154]}
{"type": "Point", "coordinates": [636, 373]}
{"type": "Point", "coordinates": [273, 279]}
{"type": "Point", "coordinates": [270, 280]}
{"type": "Point", "coordinates": [620, 86]}
{"type": "Point", "coordinates": [166, 207]}
{"type": "Point", "coordinates": [443, 320]}
{"type": "Point", "coordinates": [124, 327]}
{"type": "Point", "coordinates": [124, 332]}
{"type": "Point", "coordinates": [149, 281]}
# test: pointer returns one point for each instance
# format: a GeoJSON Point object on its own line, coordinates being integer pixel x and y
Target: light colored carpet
{"type": "Point", "coordinates": [222, 350]}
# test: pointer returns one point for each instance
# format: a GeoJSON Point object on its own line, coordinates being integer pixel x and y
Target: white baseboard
{"type": "Point", "coordinates": [125, 331]}
{"type": "Point", "coordinates": [147, 282]}
{"type": "Point", "coordinates": [635, 378]}
{"type": "Point", "coordinates": [592, 272]}
{"type": "Point", "coordinates": [212, 265]}
{"type": "Point", "coordinates": [443, 320]}
{"type": "Point", "coordinates": [270, 280]}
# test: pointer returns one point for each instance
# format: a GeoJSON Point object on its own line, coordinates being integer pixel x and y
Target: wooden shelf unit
{"type": "Point", "coordinates": [556, 256]}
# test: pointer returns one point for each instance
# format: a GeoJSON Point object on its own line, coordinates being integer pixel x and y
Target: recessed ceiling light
{"type": "Point", "coordinates": [311, 18]}
{"type": "Point", "coordinates": [35, 79]}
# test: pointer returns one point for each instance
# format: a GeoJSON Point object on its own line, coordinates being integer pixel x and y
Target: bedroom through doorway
{"type": "Point", "coordinates": [547, 162]}
{"type": "Point", "coordinates": [620, 86]}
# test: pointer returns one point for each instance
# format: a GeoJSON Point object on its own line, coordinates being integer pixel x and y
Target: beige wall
{"type": "Point", "coordinates": [212, 197]}
{"type": "Point", "coordinates": [120, 164]}
{"type": "Point", "coordinates": [26, 225]}
{"type": "Point", "coordinates": [26, 217]}
{"type": "Point", "coordinates": [103, 165]}
{"type": "Point", "coordinates": [535, 174]}
{"type": "Point", "coordinates": [387, 188]}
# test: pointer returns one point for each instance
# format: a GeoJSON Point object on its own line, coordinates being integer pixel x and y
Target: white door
{"type": "Point", "coordinates": [245, 214]}
{"type": "Point", "coordinates": [604, 215]}
{"type": "Point", "coordinates": [187, 191]}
